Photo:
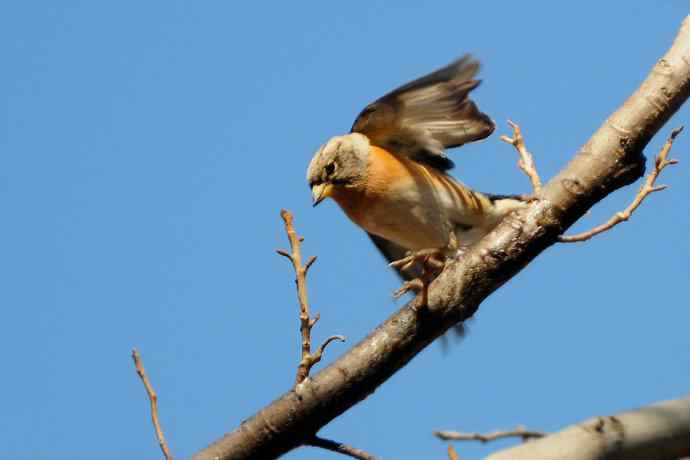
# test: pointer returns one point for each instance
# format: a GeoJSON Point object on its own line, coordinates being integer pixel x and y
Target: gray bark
{"type": "Point", "coordinates": [660, 431]}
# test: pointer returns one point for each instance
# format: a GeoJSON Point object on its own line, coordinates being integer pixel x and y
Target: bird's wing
{"type": "Point", "coordinates": [393, 252]}
{"type": "Point", "coordinates": [426, 116]}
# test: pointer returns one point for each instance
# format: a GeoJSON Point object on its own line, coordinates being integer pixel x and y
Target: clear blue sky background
{"type": "Point", "coordinates": [146, 149]}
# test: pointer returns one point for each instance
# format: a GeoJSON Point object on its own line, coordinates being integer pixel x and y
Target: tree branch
{"type": "Point", "coordinates": [647, 189]}
{"type": "Point", "coordinates": [309, 359]}
{"type": "Point", "coordinates": [611, 159]}
{"type": "Point", "coordinates": [519, 432]}
{"type": "Point", "coordinates": [526, 161]}
{"type": "Point", "coordinates": [660, 431]}
{"type": "Point", "coordinates": [340, 448]}
{"type": "Point", "coordinates": [153, 398]}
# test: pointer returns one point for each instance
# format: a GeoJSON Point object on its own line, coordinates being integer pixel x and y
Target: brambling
{"type": "Point", "coordinates": [389, 174]}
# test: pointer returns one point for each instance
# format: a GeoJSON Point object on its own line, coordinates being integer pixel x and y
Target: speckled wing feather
{"type": "Point", "coordinates": [426, 116]}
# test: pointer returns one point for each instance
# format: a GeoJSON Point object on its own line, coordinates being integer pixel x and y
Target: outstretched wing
{"type": "Point", "coordinates": [426, 116]}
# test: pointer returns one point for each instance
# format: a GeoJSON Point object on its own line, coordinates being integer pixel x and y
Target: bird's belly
{"type": "Point", "coordinates": [405, 223]}
{"type": "Point", "coordinates": [417, 213]}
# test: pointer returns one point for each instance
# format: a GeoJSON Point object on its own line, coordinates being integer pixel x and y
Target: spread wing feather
{"type": "Point", "coordinates": [422, 118]}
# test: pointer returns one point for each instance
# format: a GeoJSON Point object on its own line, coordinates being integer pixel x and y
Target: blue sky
{"type": "Point", "coordinates": [147, 148]}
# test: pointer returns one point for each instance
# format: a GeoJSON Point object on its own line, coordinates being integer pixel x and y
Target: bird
{"type": "Point", "coordinates": [390, 173]}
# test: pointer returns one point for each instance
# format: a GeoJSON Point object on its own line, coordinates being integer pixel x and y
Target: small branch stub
{"type": "Point", "coordinates": [526, 161]}
{"type": "Point", "coordinates": [153, 398]}
{"type": "Point", "coordinates": [648, 187]}
{"type": "Point", "coordinates": [519, 432]}
{"type": "Point", "coordinates": [308, 359]}
{"type": "Point", "coordinates": [340, 448]}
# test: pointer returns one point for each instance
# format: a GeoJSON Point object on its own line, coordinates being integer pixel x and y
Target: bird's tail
{"type": "Point", "coordinates": [505, 204]}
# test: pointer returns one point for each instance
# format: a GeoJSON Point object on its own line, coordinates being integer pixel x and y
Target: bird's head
{"type": "Point", "coordinates": [341, 162]}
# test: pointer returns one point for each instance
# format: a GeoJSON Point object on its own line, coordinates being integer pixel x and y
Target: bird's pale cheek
{"type": "Point", "coordinates": [320, 192]}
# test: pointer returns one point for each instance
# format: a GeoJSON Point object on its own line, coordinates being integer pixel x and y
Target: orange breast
{"type": "Point", "coordinates": [407, 202]}
{"type": "Point", "coordinates": [384, 172]}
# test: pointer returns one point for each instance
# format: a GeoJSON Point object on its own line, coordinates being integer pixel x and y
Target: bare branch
{"type": "Point", "coordinates": [611, 158]}
{"type": "Point", "coordinates": [452, 453]}
{"type": "Point", "coordinates": [519, 432]}
{"type": "Point", "coordinates": [647, 189]}
{"type": "Point", "coordinates": [310, 262]}
{"type": "Point", "coordinates": [660, 431]}
{"type": "Point", "coordinates": [526, 161]}
{"type": "Point", "coordinates": [319, 352]}
{"type": "Point", "coordinates": [314, 320]}
{"type": "Point", "coordinates": [153, 398]}
{"type": "Point", "coordinates": [340, 448]}
{"type": "Point", "coordinates": [308, 359]}
{"type": "Point", "coordinates": [284, 253]}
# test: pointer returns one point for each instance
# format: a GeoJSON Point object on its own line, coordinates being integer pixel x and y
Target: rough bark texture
{"type": "Point", "coordinates": [661, 431]}
{"type": "Point", "coordinates": [611, 159]}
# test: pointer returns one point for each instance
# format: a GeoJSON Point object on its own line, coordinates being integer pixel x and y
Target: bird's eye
{"type": "Point", "coordinates": [330, 169]}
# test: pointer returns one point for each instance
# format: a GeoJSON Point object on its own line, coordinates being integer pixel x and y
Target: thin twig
{"type": "Point", "coordinates": [154, 403]}
{"type": "Point", "coordinates": [519, 432]}
{"type": "Point", "coordinates": [452, 453]}
{"type": "Point", "coordinates": [526, 161]}
{"type": "Point", "coordinates": [648, 187]}
{"type": "Point", "coordinates": [308, 359]}
{"type": "Point", "coordinates": [319, 353]}
{"type": "Point", "coordinates": [344, 449]}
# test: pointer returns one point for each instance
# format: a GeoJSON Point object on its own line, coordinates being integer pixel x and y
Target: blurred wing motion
{"type": "Point", "coordinates": [393, 252]}
{"type": "Point", "coordinates": [428, 115]}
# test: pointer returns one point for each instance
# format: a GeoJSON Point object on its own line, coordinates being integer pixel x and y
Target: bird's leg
{"type": "Point", "coordinates": [413, 285]}
{"type": "Point", "coordinates": [421, 256]}
{"type": "Point", "coordinates": [432, 262]}
{"type": "Point", "coordinates": [431, 268]}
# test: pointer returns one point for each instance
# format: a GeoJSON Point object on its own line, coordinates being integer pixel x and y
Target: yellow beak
{"type": "Point", "coordinates": [320, 192]}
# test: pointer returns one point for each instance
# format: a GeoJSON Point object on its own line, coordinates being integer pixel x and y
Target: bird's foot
{"type": "Point", "coordinates": [413, 285]}
{"type": "Point", "coordinates": [432, 262]}
{"type": "Point", "coordinates": [425, 257]}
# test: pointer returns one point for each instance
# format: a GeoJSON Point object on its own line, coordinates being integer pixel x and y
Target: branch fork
{"type": "Point", "coordinates": [526, 164]}
{"type": "Point", "coordinates": [648, 187]}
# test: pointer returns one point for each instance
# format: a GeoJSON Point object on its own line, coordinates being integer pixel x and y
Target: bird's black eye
{"type": "Point", "coordinates": [330, 169]}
